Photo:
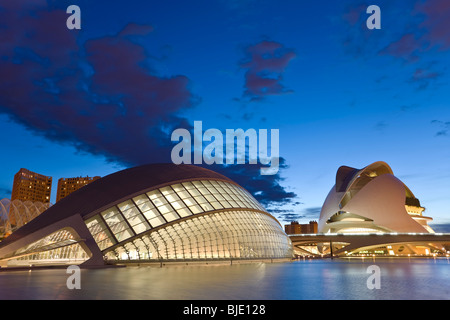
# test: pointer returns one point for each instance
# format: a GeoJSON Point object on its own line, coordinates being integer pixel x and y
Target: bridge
{"type": "Point", "coordinates": [338, 244]}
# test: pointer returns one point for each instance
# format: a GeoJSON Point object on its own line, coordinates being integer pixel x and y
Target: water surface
{"type": "Point", "coordinates": [311, 279]}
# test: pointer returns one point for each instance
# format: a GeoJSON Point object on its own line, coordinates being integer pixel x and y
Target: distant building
{"type": "Point", "coordinates": [31, 186]}
{"type": "Point", "coordinates": [68, 185]}
{"type": "Point", "coordinates": [296, 228]}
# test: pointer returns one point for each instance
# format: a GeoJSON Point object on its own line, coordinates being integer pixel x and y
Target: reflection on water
{"type": "Point", "coordinates": [314, 279]}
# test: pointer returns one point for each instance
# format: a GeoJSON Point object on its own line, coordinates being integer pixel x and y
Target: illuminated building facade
{"type": "Point", "coordinates": [68, 185]}
{"type": "Point", "coordinates": [31, 186]}
{"type": "Point", "coordinates": [371, 199]}
{"type": "Point", "coordinates": [369, 211]}
{"type": "Point", "coordinates": [152, 213]}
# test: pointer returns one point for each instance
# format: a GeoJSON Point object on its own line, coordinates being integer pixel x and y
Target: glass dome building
{"type": "Point", "coordinates": [151, 213]}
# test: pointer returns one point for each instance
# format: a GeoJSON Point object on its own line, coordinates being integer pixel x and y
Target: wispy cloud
{"type": "Point", "coordinates": [5, 192]}
{"type": "Point", "coordinates": [295, 214]}
{"type": "Point", "coordinates": [444, 127]}
{"type": "Point", "coordinates": [417, 30]}
{"type": "Point", "coordinates": [265, 62]}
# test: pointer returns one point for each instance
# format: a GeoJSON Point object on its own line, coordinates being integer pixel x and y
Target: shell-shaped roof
{"type": "Point", "coordinates": [372, 192]}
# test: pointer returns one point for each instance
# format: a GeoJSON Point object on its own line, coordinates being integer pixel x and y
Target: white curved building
{"type": "Point", "coordinates": [371, 200]}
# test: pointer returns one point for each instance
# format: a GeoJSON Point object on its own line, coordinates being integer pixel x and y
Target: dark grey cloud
{"type": "Point", "coordinates": [103, 96]}
{"type": "Point", "coordinates": [267, 189]}
{"type": "Point", "coordinates": [286, 216]}
{"type": "Point", "coordinates": [416, 28]}
{"type": "Point", "coordinates": [289, 215]}
{"type": "Point", "coordinates": [312, 212]}
{"type": "Point", "coordinates": [97, 96]}
{"type": "Point", "coordinates": [5, 192]}
{"type": "Point", "coordinates": [265, 62]}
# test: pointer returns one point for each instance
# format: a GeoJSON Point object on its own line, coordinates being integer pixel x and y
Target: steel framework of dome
{"type": "Point", "coordinates": [15, 214]}
{"type": "Point", "coordinates": [158, 212]}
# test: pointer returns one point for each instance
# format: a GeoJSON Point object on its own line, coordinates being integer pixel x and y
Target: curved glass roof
{"type": "Point", "coordinates": [165, 205]}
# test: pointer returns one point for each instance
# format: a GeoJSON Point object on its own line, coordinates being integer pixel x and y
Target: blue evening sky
{"type": "Point", "coordinates": [346, 96]}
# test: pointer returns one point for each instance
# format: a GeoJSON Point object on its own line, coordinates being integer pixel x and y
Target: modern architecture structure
{"type": "Point", "coordinates": [371, 199]}
{"type": "Point", "coordinates": [370, 211]}
{"type": "Point", "coordinates": [15, 214]}
{"type": "Point", "coordinates": [31, 186]}
{"type": "Point", "coordinates": [68, 185]}
{"type": "Point", "coordinates": [151, 213]}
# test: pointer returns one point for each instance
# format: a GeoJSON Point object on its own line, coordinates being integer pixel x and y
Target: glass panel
{"type": "Point", "coordinates": [166, 190]}
{"type": "Point", "coordinates": [196, 209]}
{"type": "Point", "coordinates": [184, 212]}
{"type": "Point", "coordinates": [194, 192]}
{"type": "Point", "coordinates": [200, 199]}
{"type": "Point", "coordinates": [216, 205]}
{"type": "Point", "coordinates": [125, 205]}
{"type": "Point", "coordinates": [131, 213]}
{"type": "Point", "coordinates": [171, 197]}
{"type": "Point", "coordinates": [140, 199]}
{"type": "Point", "coordinates": [183, 194]}
{"type": "Point", "coordinates": [177, 204]}
{"type": "Point", "coordinates": [123, 235]}
{"type": "Point", "coordinates": [157, 221]}
{"type": "Point", "coordinates": [177, 187]}
{"type": "Point", "coordinates": [189, 202]}
{"type": "Point", "coordinates": [171, 216]}
{"type": "Point", "coordinates": [100, 233]}
{"type": "Point", "coordinates": [139, 228]}
{"type": "Point", "coordinates": [206, 207]}
{"type": "Point", "coordinates": [188, 185]}
{"type": "Point", "coordinates": [150, 214]}
{"type": "Point", "coordinates": [157, 198]}
{"type": "Point", "coordinates": [145, 206]}
{"type": "Point", "coordinates": [109, 213]}
{"type": "Point", "coordinates": [164, 208]}
{"type": "Point", "coordinates": [136, 220]}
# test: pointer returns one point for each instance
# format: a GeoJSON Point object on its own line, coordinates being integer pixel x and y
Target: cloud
{"type": "Point", "coordinates": [98, 96]}
{"type": "Point", "coordinates": [267, 189]}
{"type": "Point", "coordinates": [286, 215]}
{"type": "Point", "coordinates": [265, 62]}
{"type": "Point", "coordinates": [407, 47]}
{"type": "Point", "coordinates": [416, 31]}
{"type": "Point", "coordinates": [442, 227]}
{"type": "Point", "coordinates": [5, 192]}
{"type": "Point", "coordinates": [436, 22]}
{"type": "Point", "coordinates": [289, 215]}
{"type": "Point", "coordinates": [427, 31]}
{"type": "Point", "coordinates": [312, 212]}
{"type": "Point", "coordinates": [380, 126]}
{"type": "Point", "coordinates": [423, 77]}
{"type": "Point", "coordinates": [102, 95]}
